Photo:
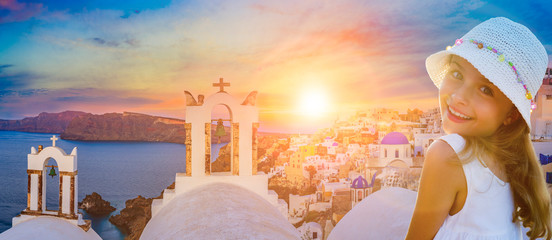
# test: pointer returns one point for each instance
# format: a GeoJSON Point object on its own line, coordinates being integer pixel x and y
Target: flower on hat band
{"type": "Point", "coordinates": [500, 58]}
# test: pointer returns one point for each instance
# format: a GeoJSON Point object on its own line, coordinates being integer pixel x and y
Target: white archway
{"type": "Point", "coordinates": [398, 163]}
{"type": "Point", "coordinates": [52, 184]}
{"type": "Point", "coordinates": [226, 119]}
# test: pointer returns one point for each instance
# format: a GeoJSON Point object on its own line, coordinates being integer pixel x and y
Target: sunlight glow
{"type": "Point", "coordinates": [314, 103]}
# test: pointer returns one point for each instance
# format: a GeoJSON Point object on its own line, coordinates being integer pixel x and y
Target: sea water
{"type": "Point", "coordinates": [118, 171]}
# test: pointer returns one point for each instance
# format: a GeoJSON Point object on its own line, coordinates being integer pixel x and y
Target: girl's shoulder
{"type": "Point", "coordinates": [441, 152]}
{"type": "Point", "coordinates": [446, 148]}
{"type": "Point", "coordinates": [455, 141]}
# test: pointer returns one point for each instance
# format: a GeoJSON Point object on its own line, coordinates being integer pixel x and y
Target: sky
{"type": "Point", "coordinates": [338, 57]}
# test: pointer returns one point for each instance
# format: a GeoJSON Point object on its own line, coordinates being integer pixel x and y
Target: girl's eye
{"type": "Point", "coordinates": [487, 91]}
{"type": "Point", "coordinates": [456, 74]}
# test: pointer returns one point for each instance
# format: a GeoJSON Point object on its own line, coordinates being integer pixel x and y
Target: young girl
{"type": "Point", "coordinates": [483, 179]}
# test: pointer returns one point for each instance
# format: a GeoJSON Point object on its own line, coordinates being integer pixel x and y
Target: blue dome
{"type": "Point", "coordinates": [394, 138]}
{"type": "Point", "coordinates": [359, 182]}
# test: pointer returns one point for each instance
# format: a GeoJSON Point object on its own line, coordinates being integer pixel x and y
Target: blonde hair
{"type": "Point", "coordinates": [511, 146]}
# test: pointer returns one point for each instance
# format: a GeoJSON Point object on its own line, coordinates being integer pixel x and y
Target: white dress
{"type": "Point", "coordinates": [487, 212]}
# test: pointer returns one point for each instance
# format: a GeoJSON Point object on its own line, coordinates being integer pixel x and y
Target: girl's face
{"type": "Point", "coordinates": [470, 104]}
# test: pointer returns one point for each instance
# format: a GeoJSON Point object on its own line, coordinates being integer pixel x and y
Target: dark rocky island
{"type": "Point", "coordinates": [94, 205]}
{"type": "Point", "coordinates": [133, 218]}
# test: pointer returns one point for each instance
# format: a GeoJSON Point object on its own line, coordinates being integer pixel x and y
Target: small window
{"type": "Point", "coordinates": [396, 153]}
{"type": "Point", "coordinates": [314, 235]}
{"type": "Point", "coordinates": [548, 97]}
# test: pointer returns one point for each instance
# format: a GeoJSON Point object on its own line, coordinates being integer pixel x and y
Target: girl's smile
{"type": "Point", "coordinates": [456, 116]}
{"type": "Point", "coordinates": [470, 104]}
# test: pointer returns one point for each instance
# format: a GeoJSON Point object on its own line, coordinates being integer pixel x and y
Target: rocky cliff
{"type": "Point", "coordinates": [43, 123]}
{"type": "Point", "coordinates": [94, 205]}
{"type": "Point", "coordinates": [130, 127]}
{"type": "Point", "coordinates": [125, 127]}
{"type": "Point", "coordinates": [73, 125]}
{"type": "Point", "coordinates": [133, 218]}
{"type": "Point", "coordinates": [222, 163]}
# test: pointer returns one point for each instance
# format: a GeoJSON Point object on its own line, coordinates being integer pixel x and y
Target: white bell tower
{"type": "Point", "coordinates": [37, 170]}
{"type": "Point", "coordinates": [244, 119]}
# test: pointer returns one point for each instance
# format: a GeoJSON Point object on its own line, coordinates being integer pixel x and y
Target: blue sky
{"type": "Point", "coordinates": [114, 56]}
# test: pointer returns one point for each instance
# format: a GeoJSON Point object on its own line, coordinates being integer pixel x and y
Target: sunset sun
{"type": "Point", "coordinates": [314, 103]}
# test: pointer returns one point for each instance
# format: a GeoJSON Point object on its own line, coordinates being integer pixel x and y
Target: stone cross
{"type": "Point", "coordinates": [221, 85]}
{"type": "Point", "coordinates": [54, 138]}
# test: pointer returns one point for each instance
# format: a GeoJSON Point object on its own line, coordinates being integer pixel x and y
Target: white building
{"type": "Point", "coordinates": [300, 140]}
{"type": "Point", "coordinates": [393, 176]}
{"type": "Point", "coordinates": [298, 205]}
{"type": "Point", "coordinates": [373, 150]}
{"type": "Point", "coordinates": [422, 141]}
{"type": "Point", "coordinates": [359, 190]}
{"type": "Point", "coordinates": [395, 150]}
{"type": "Point", "coordinates": [541, 117]}
{"type": "Point", "coordinates": [331, 145]}
{"type": "Point", "coordinates": [432, 120]}
{"type": "Point", "coordinates": [324, 165]}
{"type": "Point", "coordinates": [328, 189]}
{"type": "Point", "coordinates": [278, 170]}
{"type": "Point", "coordinates": [353, 147]}
{"type": "Point", "coordinates": [341, 158]}
{"type": "Point", "coordinates": [311, 230]}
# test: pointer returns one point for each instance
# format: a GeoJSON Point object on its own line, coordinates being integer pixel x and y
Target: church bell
{"type": "Point", "coordinates": [52, 172]}
{"type": "Point", "coordinates": [220, 129]}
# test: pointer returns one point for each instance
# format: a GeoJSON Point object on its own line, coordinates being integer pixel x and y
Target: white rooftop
{"type": "Point", "coordinates": [384, 214]}
{"type": "Point", "coordinates": [46, 228]}
{"type": "Point", "coordinates": [219, 211]}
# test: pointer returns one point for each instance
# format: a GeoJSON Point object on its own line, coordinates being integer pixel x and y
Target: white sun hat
{"type": "Point", "coordinates": [506, 53]}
